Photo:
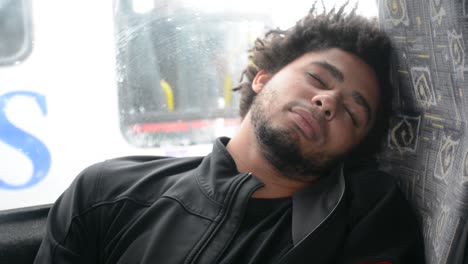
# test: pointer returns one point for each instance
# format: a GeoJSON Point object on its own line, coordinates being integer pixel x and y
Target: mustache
{"type": "Point", "coordinates": [316, 114]}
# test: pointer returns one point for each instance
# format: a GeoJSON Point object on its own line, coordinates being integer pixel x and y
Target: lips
{"type": "Point", "coordinates": [307, 123]}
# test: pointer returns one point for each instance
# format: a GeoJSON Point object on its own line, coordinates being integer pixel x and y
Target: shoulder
{"type": "Point", "coordinates": [380, 219]}
{"type": "Point", "coordinates": [107, 196]}
{"type": "Point", "coordinates": [369, 182]}
{"type": "Point", "coordinates": [371, 190]}
{"type": "Point", "coordinates": [133, 177]}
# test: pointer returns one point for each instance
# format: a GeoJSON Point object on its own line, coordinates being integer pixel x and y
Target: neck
{"type": "Point", "coordinates": [247, 154]}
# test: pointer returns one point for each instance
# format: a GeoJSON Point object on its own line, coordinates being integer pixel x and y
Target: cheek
{"type": "Point", "coordinates": [343, 138]}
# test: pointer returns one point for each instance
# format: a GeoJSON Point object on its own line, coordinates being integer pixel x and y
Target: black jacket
{"type": "Point", "coordinates": [186, 210]}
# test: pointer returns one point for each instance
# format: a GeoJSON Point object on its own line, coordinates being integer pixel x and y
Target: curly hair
{"type": "Point", "coordinates": [317, 32]}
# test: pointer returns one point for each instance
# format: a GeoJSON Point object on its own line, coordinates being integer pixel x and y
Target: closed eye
{"type": "Point", "coordinates": [353, 118]}
{"type": "Point", "coordinates": [315, 78]}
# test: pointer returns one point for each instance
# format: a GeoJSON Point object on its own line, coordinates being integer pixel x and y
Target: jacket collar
{"type": "Point", "coordinates": [220, 172]}
{"type": "Point", "coordinates": [311, 206]}
{"type": "Point", "coordinates": [314, 204]}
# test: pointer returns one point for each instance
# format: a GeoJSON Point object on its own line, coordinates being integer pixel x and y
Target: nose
{"type": "Point", "coordinates": [327, 105]}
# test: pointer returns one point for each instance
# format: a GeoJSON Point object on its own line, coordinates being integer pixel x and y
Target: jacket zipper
{"type": "Point", "coordinates": [214, 229]}
{"type": "Point", "coordinates": [241, 214]}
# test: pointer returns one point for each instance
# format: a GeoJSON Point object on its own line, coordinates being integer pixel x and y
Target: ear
{"type": "Point", "coordinates": [260, 80]}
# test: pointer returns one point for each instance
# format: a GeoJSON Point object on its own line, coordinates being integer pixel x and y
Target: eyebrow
{"type": "Point", "coordinates": [360, 100]}
{"type": "Point", "coordinates": [335, 72]}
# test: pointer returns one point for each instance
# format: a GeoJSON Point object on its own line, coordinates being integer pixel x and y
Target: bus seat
{"type": "Point", "coordinates": [427, 147]}
{"type": "Point", "coordinates": [21, 232]}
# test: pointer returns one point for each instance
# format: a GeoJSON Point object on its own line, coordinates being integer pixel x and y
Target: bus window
{"type": "Point", "coordinates": [15, 31]}
{"type": "Point", "coordinates": [176, 70]}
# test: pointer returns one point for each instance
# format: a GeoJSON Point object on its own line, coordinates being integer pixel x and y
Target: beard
{"type": "Point", "coordinates": [281, 146]}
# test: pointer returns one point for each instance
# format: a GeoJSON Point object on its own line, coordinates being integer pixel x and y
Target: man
{"type": "Point", "coordinates": [288, 188]}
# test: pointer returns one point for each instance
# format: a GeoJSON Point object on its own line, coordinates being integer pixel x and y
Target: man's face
{"type": "Point", "coordinates": [314, 111]}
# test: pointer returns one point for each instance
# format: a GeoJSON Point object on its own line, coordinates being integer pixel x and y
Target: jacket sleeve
{"type": "Point", "coordinates": [383, 228]}
{"type": "Point", "coordinates": [70, 233]}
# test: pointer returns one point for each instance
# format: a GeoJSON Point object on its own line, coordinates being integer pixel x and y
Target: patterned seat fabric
{"type": "Point", "coordinates": [427, 147]}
